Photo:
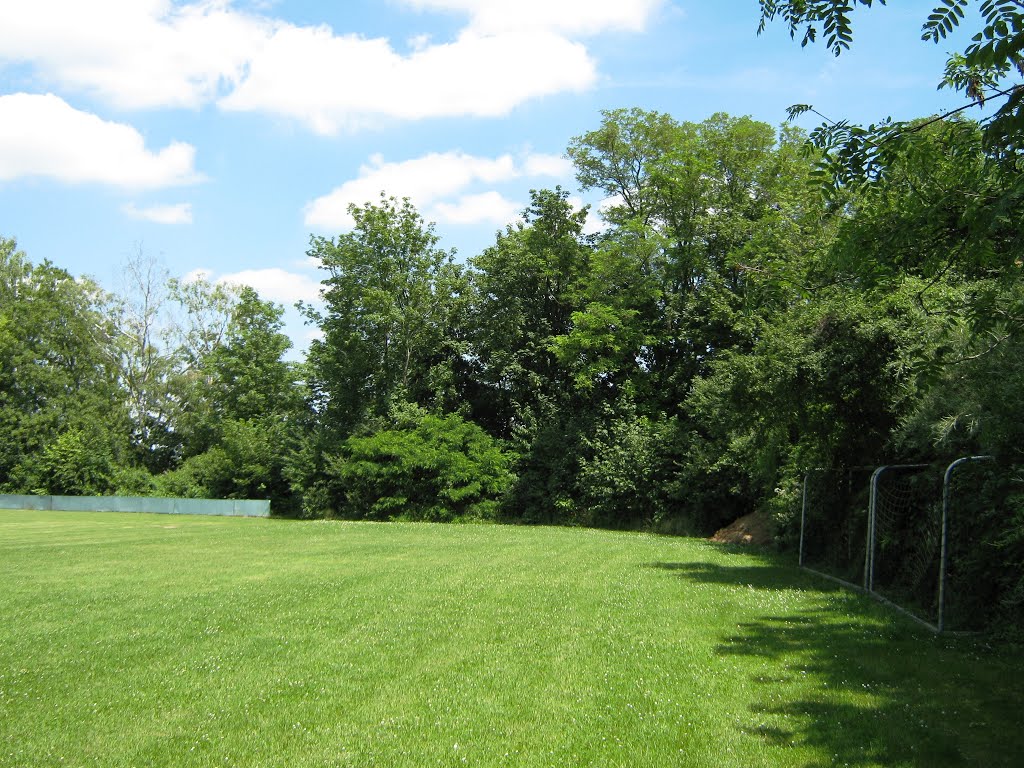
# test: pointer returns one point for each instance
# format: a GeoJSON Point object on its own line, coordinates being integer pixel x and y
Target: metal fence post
{"type": "Point", "coordinates": [803, 518]}
{"type": "Point", "coordinates": [869, 544]}
{"type": "Point", "coordinates": [869, 555]}
{"type": "Point", "coordinates": [943, 551]}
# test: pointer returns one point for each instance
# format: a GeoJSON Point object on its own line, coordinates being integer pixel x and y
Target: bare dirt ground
{"type": "Point", "coordinates": [755, 529]}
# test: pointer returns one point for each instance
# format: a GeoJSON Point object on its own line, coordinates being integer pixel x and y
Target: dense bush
{"type": "Point", "coordinates": [77, 464]}
{"type": "Point", "coordinates": [618, 480]}
{"type": "Point", "coordinates": [420, 467]}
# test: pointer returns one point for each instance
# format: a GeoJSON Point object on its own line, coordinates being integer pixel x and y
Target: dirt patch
{"type": "Point", "coordinates": [755, 530]}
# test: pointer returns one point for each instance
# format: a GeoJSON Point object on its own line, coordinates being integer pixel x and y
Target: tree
{"type": "Point", "coordinates": [208, 309]}
{"type": "Point", "coordinates": [244, 410]}
{"type": "Point", "coordinates": [420, 467]}
{"type": "Point", "coordinates": [932, 216]}
{"type": "Point", "coordinates": [620, 158]}
{"type": "Point", "coordinates": [146, 360]}
{"type": "Point", "coordinates": [249, 378]}
{"type": "Point", "coordinates": [58, 380]}
{"type": "Point", "coordinates": [855, 156]}
{"type": "Point", "coordinates": [392, 299]}
{"type": "Point", "coordinates": [679, 277]}
{"type": "Point", "coordinates": [523, 299]}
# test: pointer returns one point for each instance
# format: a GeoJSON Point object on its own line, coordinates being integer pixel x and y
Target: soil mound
{"type": "Point", "coordinates": [754, 529]}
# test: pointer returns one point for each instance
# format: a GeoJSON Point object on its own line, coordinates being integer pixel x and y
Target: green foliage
{"type": "Point", "coordinates": [131, 480]}
{"type": "Point", "coordinates": [247, 462]}
{"type": "Point", "coordinates": [545, 469]}
{"type": "Point", "coordinates": [145, 371]}
{"type": "Point", "coordinates": [244, 408]}
{"type": "Point", "coordinates": [77, 464]}
{"type": "Point", "coordinates": [856, 158]}
{"type": "Point", "coordinates": [974, 402]}
{"type": "Point", "coordinates": [523, 299]}
{"type": "Point", "coordinates": [391, 298]}
{"type": "Point", "coordinates": [619, 159]}
{"type": "Point", "coordinates": [248, 377]}
{"type": "Point", "coordinates": [420, 467]}
{"type": "Point", "coordinates": [1011, 575]}
{"type": "Point", "coordinates": [59, 397]}
{"type": "Point", "coordinates": [621, 478]}
{"type": "Point", "coordinates": [834, 18]}
{"type": "Point", "coordinates": [825, 385]}
{"type": "Point", "coordinates": [198, 477]}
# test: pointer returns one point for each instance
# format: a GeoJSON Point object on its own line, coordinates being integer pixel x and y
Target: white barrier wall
{"type": "Point", "coordinates": [155, 505]}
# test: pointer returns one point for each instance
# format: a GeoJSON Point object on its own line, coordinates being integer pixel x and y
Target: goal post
{"type": "Point", "coordinates": [953, 473]}
{"type": "Point", "coordinates": [903, 560]}
{"type": "Point", "coordinates": [897, 532]}
{"type": "Point", "coordinates": [834, 520]}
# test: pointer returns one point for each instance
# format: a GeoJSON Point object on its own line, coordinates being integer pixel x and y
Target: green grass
{"type": "Point", "coordinates": [136, 640]}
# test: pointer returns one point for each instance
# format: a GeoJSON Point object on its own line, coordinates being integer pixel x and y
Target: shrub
{"type": "Point", "coordinates": [424, 467]}
{"type": "Point", "coordinates": [76, 464]}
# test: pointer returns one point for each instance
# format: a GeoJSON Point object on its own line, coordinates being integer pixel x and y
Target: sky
{"type": "Point", "coordinates": [216, 136]}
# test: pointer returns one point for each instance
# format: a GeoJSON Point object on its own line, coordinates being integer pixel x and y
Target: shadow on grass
{"type": "Point", "coordinates": [766, 576]}
{"type": "Point", "coordinates": [862, 686]}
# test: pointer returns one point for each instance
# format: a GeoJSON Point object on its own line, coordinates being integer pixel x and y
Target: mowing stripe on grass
{"type": "Point", "coordinates": [132, 640]}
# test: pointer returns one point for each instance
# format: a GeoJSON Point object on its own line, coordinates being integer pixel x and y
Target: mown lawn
{"type": "Point", "coordinates": [137, 640]}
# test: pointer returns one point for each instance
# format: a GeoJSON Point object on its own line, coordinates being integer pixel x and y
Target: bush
{"type": "Point", "coordinates": [205, 476]}
{"type": "Point", "coordinates": [544, 491]}
{"type": "Point", "coordinates": [424, 467]}
{"type": "Point", "coordinates": [247, 463]}
{"type": "Point", "coordinates": [76, 464]}
{"type": "Point", "coordinates": [134, 481]}
{"type": "Point", "coordinates": [618, 479]}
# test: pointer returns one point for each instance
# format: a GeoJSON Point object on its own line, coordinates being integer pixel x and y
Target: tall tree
{"type": "Point", "coordinates": [58, 380]}
{"type": "Point", "coordinates": [147, 360]}
{"type": "Point", "coordinates": [524, 288]}
{"type": "Point", "coordinates": [392, 301]}
{"type": "Point", "coordinates": [250, 377]}
{"type": "Point", "coordinates": [678, 277]}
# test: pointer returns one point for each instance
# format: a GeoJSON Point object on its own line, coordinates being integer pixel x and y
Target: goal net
{"type": "Point", "coordinates": [906, 537]}
{"type": "Point", "coordinates": [914, 535]}
{"type": "Point", "coordinates": [834, 522]}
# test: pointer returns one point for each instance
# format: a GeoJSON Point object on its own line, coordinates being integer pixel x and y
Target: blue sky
{"type": "Point", "coordinates": [217, 135]}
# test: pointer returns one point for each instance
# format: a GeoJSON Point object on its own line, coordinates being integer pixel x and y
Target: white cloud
{"type": "Point", "coordinates": [595, 222]}
{"type": "Point", "coordinates": [491, 207]}
{"type": "Point", "coordinates": [180, 213]}
{"type": "Point", "coordinates": [548, 165]}
{"type": "Point", "coordinates": [313, 334]}
{"type": "Point", "coordinates": [437, 183]}
{"type": "Point", "coordinates": [159, 53]}
{"type": "Point", "coordinates": [135, 53]}
{"type": "Point", "coordinates": [333, 82]}
{"type": "Point", "coordinates": [42, 135]}
{"type": "Point", "coordinates": [198, 275]}
{"type": "Point", "coordinates": [567, 16]}
{"type": "Point", "coordinates": [276, 284]}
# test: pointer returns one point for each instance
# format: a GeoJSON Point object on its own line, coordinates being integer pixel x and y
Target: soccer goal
{"type": "Point", "coordinates": [834, 522]}
{"type": "Point", "coordinates": [901, 533]}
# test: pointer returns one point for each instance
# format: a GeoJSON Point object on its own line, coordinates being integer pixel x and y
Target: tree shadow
{"type": "Point", "coordinates": [766, 576]}
{"type": "Point", "coordinates": [861, 685]}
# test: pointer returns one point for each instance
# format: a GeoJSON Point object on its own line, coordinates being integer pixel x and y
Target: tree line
{"type": "Point", "coordinates": [729, 327]}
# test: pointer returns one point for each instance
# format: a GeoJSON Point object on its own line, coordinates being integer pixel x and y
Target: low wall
{"type": "Point", "coordinates": [155, 505]}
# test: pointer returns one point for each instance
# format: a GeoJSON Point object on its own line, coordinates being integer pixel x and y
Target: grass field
{"type": "Point", "coordinates": [137, 640]}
